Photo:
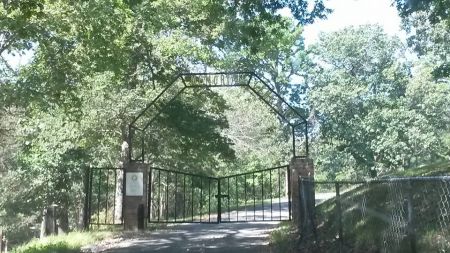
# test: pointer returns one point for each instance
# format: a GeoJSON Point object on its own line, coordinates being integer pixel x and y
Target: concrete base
{"type": "Point", "coordinates": [132, 204]}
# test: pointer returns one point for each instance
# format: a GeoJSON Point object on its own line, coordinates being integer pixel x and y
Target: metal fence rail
{"type": "Point", "coordinates": [181, 197]}
{"type": "Point", "coordinates": [177, 197]}
{"type": "Point", "coordinates": [104, 186]}
{"type": "Point", "coordinates": [261, 195]}
{"type": "Point", "coordinates": [384, 215]}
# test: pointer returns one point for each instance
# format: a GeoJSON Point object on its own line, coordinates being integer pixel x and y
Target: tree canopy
{"type": "Point", "coordinates": [372, 107]}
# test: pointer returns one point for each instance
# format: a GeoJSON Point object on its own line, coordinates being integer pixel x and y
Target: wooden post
{"type": "Point", "coordinates": [1, 242]}
{"type": "Point", "coordinates": [49, 225]}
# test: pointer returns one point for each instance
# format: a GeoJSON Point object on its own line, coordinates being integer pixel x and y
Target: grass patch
{"type": "Point", "coordinates": [68, 243]}
{"type": "Point", "coordinates": [367, 211]}
{"type": "Point", "coordinates": [284, 238]}
{"type": "Point", "coordinates": [437, 169]}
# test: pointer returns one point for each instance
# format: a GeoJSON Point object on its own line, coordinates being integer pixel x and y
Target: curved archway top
{"type": "Point", "coordinates": [184, 81]}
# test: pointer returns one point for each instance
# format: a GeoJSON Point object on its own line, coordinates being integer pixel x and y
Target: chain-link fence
{"type": "Point", "coordinates": [386, 215]}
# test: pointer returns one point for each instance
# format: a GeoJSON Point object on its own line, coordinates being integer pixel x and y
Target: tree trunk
{"type": "Point", "coordinates": [63, 218]}
{"type": "Point", "coordinates": [1, 241]}
{"type": "Point", "coordinates": [120, 174]}
{"type": "Point", "coordinates": [118, 198]}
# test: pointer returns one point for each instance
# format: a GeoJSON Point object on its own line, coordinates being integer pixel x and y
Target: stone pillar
{"type": "Point", "coordinates": [303, 167]}
{"type": "Point", "coordinates": [135, 195]}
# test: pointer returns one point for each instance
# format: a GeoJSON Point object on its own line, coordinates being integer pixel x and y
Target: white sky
{"type": "Point", "coordinates": [356, 12]}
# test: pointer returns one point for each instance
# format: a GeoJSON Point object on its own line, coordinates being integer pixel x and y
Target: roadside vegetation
{"type": "Point", "coordinates": [68, 243]}
{"type": "Point", "coordinates": [284, 238]}
{"type": "Point", "coordinates": [376, 105]}
{"type": "Point", "coordinates": [365, 233]}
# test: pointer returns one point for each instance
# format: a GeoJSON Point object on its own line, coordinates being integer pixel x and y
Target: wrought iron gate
{"type": "Point", "coordinates": [102, 189]}
{"type": "Point", "coordinates": [175, 196]}
{"type": "Point", "coordinates": [180, 197]}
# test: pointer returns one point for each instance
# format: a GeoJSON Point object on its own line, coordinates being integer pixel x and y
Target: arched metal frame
{"type": "Point", "coordinates": [184, 81]}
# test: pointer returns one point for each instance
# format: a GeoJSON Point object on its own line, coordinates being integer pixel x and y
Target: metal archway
{"type": "Point", "coordinates": [251, 80]}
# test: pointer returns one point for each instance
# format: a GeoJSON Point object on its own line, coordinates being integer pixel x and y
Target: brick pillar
{"type": "Point", "coordinates": [135, 195]}
{"type": "Point", "coordinates": [304, 167]}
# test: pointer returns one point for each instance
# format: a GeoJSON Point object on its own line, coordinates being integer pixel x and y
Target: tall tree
{"type": "Point", "coordinates": [365, 104]}
{"type": "Point", "coordinates": [95, 66]}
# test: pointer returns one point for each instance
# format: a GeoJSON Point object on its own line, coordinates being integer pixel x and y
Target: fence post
{"type": "Point", "coordinates": [141, 217]}
{"type": "Point", "coordinates": [299, 167]}
{"type": "Point", "coordinates": [219, 202]}
{"type": "Point", "coordinates": [86, 211]}
{"type": "Point", "coordinates": [306, 206]}
{"type": "Point", "coordinates": [411, 227]}
{"type": "Point", "coordinates": [1, 241]}
{"type": "Point", "coordinates": [339, 214]}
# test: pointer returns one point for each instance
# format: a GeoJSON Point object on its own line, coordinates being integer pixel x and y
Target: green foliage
{"type": "Point", "coordinates": [367, 232]}
{"type": "Point", "coordinates": [427, 24]}
{"type": "Point", "coordinates": [69, 243]}
{"type": "Point", "coordinates": [258, 137]}
{"type": "Point", "coordinates": [438, 9]}
{"type": "Point", "coordinates": [283, 238]}
{"type": "Point", "coordinates": [372, 116]}
{"type": "Point", "coordinates": [96, 64]}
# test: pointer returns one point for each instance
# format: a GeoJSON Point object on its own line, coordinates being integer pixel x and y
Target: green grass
{"type": "Point", "coordinates": [442, 168]}
{"type": "Point", "coordinates": [364, 233]}
{"type": "Point", "coordinates": [282, 238]}
{"type": "Point", "coordinates": [68, 243]}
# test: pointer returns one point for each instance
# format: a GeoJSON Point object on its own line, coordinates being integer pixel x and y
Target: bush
{"type": "Point", "coordinates": [69, 243]}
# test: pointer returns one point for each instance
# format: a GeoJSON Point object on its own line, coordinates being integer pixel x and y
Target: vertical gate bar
{"type": "Point", "coordinates": [228, 200]}
{"type": "Point", "coordinates": [192, 198]}
{"type": "Point", "coordinates": [167, 195]}
{"type": "Point", "coordinates": [254, 197]}
{"type": "Point", "coordinates": [98, 196]}
{"type": "Point", "coordinates": [410, 225]}
{"type": "Point", "coordinates": [288, 171]}
{"type": "Point", "coordinates": [114, 202]}
{"type": "Point", "coordinates": [201, 198]}
{"type": "Point", "coordinates": [91, 179]}
{"type": "Point", "coordinates": [176, 197]}
{"type": "Point", "coordinates": [184, 197]}
{"type": "Point", "coordinates": [270, 185]}
{"type": "Point", "coordinates": [245, 195]}
{"type": "Point", "coordinates": [86, 214]}
{"type": "Point", "coordinates": [279, 191]}
{"type": "Point", "coordinates": [149, 202]}
{"type": "Point", "coordinates": [159, 195]}
{"type": "Point", "coordinates": [219, 202]}
{"type": "Point", "coordinates": [209, 199]}
{"type": "Point", "coordinates": [237, 199]}
{"type": "Point", "coordinates": [107, 196]}
{"type": "Point", "coordinates": [262, 193]}
{"type": "Point", "coordinates": [293, 141]}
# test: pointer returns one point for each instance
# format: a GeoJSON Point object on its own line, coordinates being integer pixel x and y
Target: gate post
{"type": "Point", "coordinates": [135, 183]}
{"type": "Point", "coordinates": [1, 241]}
{"type": "Point", "coordinates": [300, 167]}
